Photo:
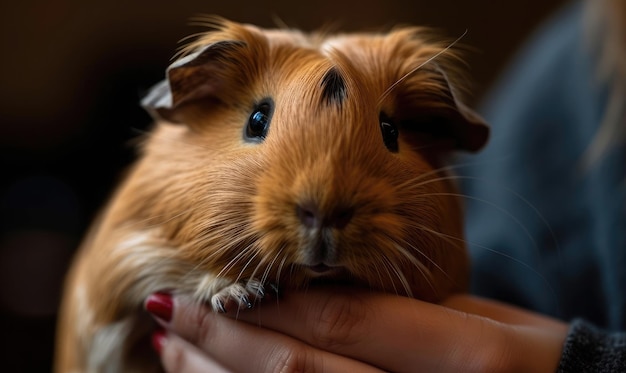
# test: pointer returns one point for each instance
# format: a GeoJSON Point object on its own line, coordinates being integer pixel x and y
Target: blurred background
{"type": "Point", "coordinates": [72, 75]}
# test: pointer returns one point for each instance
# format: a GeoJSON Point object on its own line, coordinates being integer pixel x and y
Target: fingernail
{"type": "Point", "coordinates": [160, 305]}
{"type": "Point", "coordinates": [158, 340]}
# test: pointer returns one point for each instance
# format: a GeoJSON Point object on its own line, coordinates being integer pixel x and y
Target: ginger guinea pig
{"type": "Point", "coordinates": [278, 158]}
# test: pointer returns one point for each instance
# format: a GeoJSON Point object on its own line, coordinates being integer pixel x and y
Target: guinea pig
{"type": "Point", "coordinates": [278, 158]}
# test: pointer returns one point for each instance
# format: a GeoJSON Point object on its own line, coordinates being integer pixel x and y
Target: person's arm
{"type": "Point", "coordinates": [338, 330]}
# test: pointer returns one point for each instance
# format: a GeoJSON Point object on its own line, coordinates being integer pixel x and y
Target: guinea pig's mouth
{"type": "Point", "coordinates": [323, 269]}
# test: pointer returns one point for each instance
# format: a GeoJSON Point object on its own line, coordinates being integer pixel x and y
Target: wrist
{"type": "Point", "coordinates": [531, 349]}
{"type": "Point", "coordinates": [511, 339]}
{"type": "Point", "coordinates": [514, 348]}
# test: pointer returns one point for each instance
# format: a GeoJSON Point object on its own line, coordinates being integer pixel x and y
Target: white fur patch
{"type": "Point", "coordinates": [84, 313]}
{"type": "Point", "coordinates": [145, 264]}
{"type": "Point", "coordinates": [106, 351]}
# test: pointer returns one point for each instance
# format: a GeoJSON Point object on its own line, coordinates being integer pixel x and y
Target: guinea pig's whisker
{"type": "Point", "coordinates": [418, 263]}
{"type": "Point", "coordinates": [525, 201]}
{"type": "Point", "coordinates": [268, 268]}
{"type": "Point", "coordinates": [505, 212]}
{"type": "Point", "coordinates": [243, 269]}
{"type": "Point", "coordinates": [262, 263]}
{"type": "Point", "coordinates": [241, 255]}
{"type": "Point", "coordinates": [495, 206]}
{"type": "Point", "coordinates": [478, 179]}
{"type": "Point", "coordinates": [378, 274]}
{"type": "Point", "coordinates": [215, 252]}
{"type": "Point", "coordinates": [385, 264]}
{"type": "Point", "coordinates": [426, 272]}
{"type": "Point", "coordinates": [291, 269]}
{"type": "Point", "coordinates": [280, 269]}
{"type": "Point", "coordinates": [502, 254]}
{"type": "Point", "coordinates": [393, 272]}
{"type": "Point", "coordinates": [444, 170]}
{"type": "Point", "coordinates": [422, 181]}
{"type": "Point", "coordinates": [265, 266]}
{"type": "Point", "coordinates": [420, 266]}
{"type": "Point", "coordinates": [425, 178]}
{"type": "Point", "coordinates": [413, 70]}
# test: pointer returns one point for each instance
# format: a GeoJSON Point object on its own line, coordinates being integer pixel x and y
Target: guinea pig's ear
{"type": "Point", "coordinates": [200, 75]}
{"type": "Point", "coordinates": [471, 130]}
{"type": "Point", "coordinates": [436, 109]}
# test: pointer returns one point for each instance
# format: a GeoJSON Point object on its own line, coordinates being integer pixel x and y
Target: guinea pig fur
{"type": "Point", "coordinates": [279, 158]}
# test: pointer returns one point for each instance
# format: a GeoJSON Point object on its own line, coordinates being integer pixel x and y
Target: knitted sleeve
{"type": "Point", "coordinates": [589, 349]}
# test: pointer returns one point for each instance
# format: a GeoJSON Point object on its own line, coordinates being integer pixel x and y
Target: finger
{"type": "Point", "coordinates": [504, 313]}
{"type": "Point", "coordinates": [180, 356]}
{"type": "Point", "coordinates": [540, 336]}
{"type": "Point", "coordinates": [387, 331]}
{"type": "Point", "coordinates": [243, 347]}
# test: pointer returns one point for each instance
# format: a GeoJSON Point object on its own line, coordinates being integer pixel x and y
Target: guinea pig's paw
{"type": "Point", "coordinates": [241, 294]}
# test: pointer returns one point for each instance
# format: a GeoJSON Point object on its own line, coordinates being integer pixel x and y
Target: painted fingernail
{"type": "Point", "coordinates": [160, 305]}
{"type": "Point", "coordinates": [158, 340]}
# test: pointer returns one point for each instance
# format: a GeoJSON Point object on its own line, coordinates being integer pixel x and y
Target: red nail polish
{"type": "Point", "coordinates": [158, 340]}
{"type": "Point", "coordinates": [160, 305]}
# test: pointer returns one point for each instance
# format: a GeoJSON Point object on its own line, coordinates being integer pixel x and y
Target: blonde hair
{"type": "Point", "coordinates": [606, 36]}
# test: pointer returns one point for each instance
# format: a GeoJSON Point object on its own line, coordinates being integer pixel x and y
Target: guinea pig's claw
{"type": "Point", "coordinates": [255, 288]}
{"type": "Point", "coordinates": [245, 301]}
{"type": "Point", "coordinates": [218, 304]}
{"type": "Point", "coordinates": [240, 295]}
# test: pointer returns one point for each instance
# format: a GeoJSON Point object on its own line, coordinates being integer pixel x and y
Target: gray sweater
{"type": "Point", "coordinates": [588, 349]}
{"type": "Point", "coordinates": [543, 233]}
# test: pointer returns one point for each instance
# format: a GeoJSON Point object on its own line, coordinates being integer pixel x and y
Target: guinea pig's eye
{"type": "Point", "coordinates": [259, 122]}
{"type": "Point", "coordinates": [390, 133]}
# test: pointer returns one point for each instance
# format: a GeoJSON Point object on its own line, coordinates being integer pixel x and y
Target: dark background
{"type": "Point", "coordinates": [72, 74]}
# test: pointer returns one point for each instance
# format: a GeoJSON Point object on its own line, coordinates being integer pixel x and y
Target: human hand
{"type": "Point", "coordinates": [339, 330]}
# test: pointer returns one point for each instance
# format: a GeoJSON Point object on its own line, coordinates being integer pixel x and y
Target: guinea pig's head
{"type": "Point", "coordinates": [290, 157]}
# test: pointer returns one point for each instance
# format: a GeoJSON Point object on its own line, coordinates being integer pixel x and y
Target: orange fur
{"type": "Point", "coordinates": [203, 208]}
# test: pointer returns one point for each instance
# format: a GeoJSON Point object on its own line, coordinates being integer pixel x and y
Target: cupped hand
{"type": "Point", "coordinates": [354, 330]}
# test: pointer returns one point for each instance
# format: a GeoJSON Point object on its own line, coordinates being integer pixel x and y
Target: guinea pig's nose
{"type": "Point", "coordinates": [312, 217]}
